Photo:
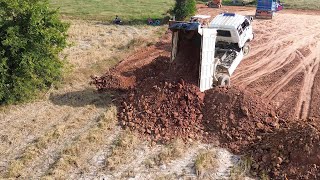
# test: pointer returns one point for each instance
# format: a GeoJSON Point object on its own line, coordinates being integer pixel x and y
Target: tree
{"type": "Point", "coordinates": [31, 37]}
{"type": "Point", "coordinates": [184, 8]}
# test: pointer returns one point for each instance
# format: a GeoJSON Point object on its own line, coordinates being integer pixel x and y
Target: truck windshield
{"type": "Point", "coordinates": [223, 33]}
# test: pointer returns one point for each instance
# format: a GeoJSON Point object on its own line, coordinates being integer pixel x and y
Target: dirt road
{"type": "Point", "coordinates": [284, 62]}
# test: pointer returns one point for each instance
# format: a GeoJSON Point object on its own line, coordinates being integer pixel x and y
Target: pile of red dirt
{"type": "Point", "coordinates": [237, 117]}
{"type": "Point", "coordinates": [163, 110]}
{"type": "Point", "coordinates": [185, 66]}
{"type": "Point", "coordinates": [115, 79]}
{"type": "Point", "coordinates": [162, 101]}
{"type": "Point", "coordinates": [112, 81]}
{"type": "Point", "coordinates": [290, 153]}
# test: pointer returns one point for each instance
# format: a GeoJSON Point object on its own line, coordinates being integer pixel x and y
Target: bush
{"type": "Point", "coordinates": [184, 8]}
{"type": "Point", "coordinates": [31, 37]}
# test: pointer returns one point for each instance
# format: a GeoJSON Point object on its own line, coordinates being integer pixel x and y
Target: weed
{"type": "Point", "coordinates": [166, 177]}
{"type": "Point", "coordinates": [136, 42]}
{"type": "Point", "coordinates": [241, 169]}
{"type": "Point", "coordinates": [172, 151]}
{"type": "Point", "coordinates": [73, 155]}
{"type": "Point", "coordinates": [205, 162]}
{"type": "Point", "coordinates": [122, 149]}
{"type": "Point", "coordinates": [128, 174]}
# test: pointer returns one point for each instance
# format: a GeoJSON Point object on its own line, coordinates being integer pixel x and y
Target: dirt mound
{"type": "Point", "coordinates": [290, 153]}
{"type": "Point", "coordinates": [237, 117]}
{"type": "Point", "coordinates": [163, 110]}
{"type": "Point", "coordinates": [115, 79]}
{"type": "Point", "coordinates": [112, 81]}
{"type": "Point", "coordinates": [162, 105]}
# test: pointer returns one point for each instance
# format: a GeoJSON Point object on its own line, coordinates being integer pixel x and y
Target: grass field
{"type": "Point", "coordinates": [140, 10]}
{"type": "Point", "coordinates": [128, 10]}
{"type": "Point", "coordinates": [302, 4]}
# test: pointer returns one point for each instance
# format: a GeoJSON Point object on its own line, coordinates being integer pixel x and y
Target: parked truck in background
{"type": "Point", "coordinates": [267, 8]}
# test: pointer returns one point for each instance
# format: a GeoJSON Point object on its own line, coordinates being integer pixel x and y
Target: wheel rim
{"type": "Point", "coordinates": [246, 50]}
{"type": "Point", "coordinates": [224, 83]}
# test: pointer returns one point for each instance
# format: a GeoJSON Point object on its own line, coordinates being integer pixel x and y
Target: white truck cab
{"type": "Point", "coordinates": [222, 44]}
{"type": "Point", "coordinates": [233, 28]}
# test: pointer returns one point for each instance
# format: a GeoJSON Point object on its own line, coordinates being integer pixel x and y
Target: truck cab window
{"type": "Point", "coordinates": [240, 30]}
{"type": "Point", "coordinates": [245, 24]}
{"type": "Point", "coordinates": [223, 33]}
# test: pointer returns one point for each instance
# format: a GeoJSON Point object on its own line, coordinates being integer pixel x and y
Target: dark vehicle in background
{"type": "Point", "coordinates": [267, 8]}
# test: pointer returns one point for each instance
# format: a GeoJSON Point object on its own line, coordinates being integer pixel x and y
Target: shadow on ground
{"type": "Point", "coordinates": [83, 98]}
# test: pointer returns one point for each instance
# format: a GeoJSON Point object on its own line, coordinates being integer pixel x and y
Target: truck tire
{"type": "Point", "coordinates": [246, 49]}
{"type": "Point", "coordinates": [224, 80]}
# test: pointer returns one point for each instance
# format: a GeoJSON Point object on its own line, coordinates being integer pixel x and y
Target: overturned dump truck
{"type": "Point", "coordinates": [219, 45]}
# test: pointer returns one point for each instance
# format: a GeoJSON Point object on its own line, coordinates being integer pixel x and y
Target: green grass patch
{"type": "Point", "coordinates": [128, 10]}
{"type": "Point", "coordinates": [301, 4]}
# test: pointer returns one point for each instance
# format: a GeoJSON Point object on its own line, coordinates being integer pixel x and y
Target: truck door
{"type": "Point", "coordinates": [207, 59]}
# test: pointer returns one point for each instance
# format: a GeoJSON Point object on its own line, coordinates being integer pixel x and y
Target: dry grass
{"type": "Point", "coordinates": [122, 150]}
{"type": "Point", "coordinates": [128, 174]}
{"type": "Point", "coordinates": [60, 132]}
{"type": "Point", "coordinates": [172, 151]}
{"type": "Point", "coordinates": [167, 177]}
{"type": "Point", "coordinates": [205, 163]}
{"type": "Point", "coordinates": [97, 47]}
{"type": "Point", "coordinates": [76, 155]}
{"type": "Point", "coordinates": [302, 4]}
{"type": "Point", "coordinates": [32, 151]}
{"type": "Point", "coordinates": [241, 169]}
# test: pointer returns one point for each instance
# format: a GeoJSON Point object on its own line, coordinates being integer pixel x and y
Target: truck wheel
{"type": "Point", "coordinates": [246, 49]}
{"type": "Point", "coordinates": [224, 80]}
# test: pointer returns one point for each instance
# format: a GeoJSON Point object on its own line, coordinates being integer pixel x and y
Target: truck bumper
{"type": "Point", "coordinates": [264, 14]}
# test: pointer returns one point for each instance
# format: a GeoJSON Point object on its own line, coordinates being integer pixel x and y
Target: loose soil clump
{"type": "Point", "coordinates": [289, 153]}
{"type": "Point", "coordinates": [164, 110]}
{"type": "Point", "coordinates": [237, 117]}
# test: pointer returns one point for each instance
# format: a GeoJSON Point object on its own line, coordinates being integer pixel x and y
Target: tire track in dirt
{"type": "Point", "coordinates": [314, 111]}
{"type": "Point", "coordinates": [270, 41]}
{"type": "Point", "coordinates": [304, 104]}
{"type": "Point", "coordinates": [278, 45]}
{"type": "Point", "coordinates": [273, 90]}
{"type": "Point", "coordinates": [271, 63]}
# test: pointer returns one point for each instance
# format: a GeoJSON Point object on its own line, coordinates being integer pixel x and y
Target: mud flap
{"type": "Point", "coordinates": [207, 59]}
{"type": "Point", "coordinates": [261, 14]}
